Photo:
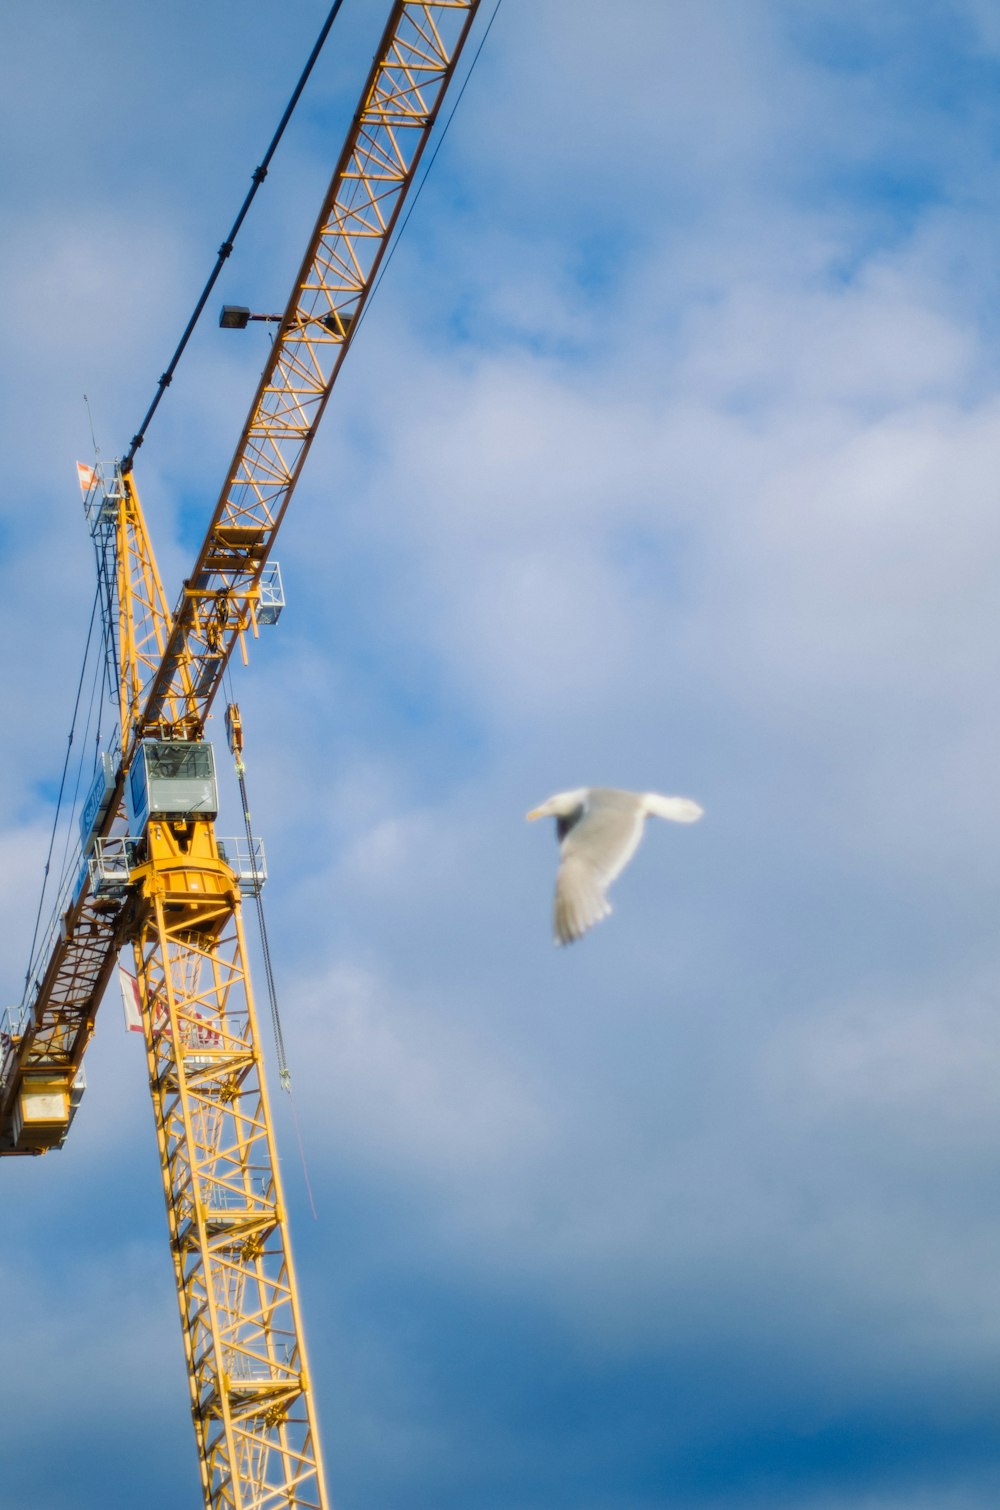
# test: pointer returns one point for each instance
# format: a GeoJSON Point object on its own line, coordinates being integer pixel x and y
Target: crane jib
{"type": "Point", "coordinates": [400, 103]}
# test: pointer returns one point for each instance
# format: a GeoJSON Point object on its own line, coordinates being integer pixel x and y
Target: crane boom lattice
{"type": "Point", "coordinates": [376, 167]}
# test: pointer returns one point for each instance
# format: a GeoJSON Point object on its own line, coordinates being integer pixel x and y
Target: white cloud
{"type": "Point", "coordinates": [411, 1089]}
{"type": "Point", "coordinates": [665, 456]}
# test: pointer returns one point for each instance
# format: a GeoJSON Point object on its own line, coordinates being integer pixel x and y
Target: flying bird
{"type": "Point", "coordinates": [599, 828]}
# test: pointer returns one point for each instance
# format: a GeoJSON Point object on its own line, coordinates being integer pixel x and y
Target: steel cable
{"type": "Point", "coordinates": [62, 788]}
{"type": "Point", "coordinates": [256, 179]}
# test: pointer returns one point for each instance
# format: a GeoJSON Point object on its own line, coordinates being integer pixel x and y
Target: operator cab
{"type": "Point", "coordinates": [171, 779]}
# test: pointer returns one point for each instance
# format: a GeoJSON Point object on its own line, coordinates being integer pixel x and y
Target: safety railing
{"type": "Point", "coordinates": [110, 865]}
{"type": "Point", "coordinates": [13, 1021]}
{"type": "Point", "coordinates": [248, 862]}
{"type": "Point", "coordinates": [112, 861]}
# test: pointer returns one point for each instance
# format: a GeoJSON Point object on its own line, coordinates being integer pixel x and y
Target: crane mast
{"type": "Point", "coordinates": [156, 880]}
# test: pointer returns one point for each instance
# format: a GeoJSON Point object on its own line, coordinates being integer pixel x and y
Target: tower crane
{"type": "Point", "coordinates": [155, 880]}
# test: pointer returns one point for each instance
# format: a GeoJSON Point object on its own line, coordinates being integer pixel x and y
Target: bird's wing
{"type": "Point", "coordinates": [594, 852]}
{"type": "Point", "coordinates": [580, 900]}
{"type": "Point", "coordinates": [607, 836]}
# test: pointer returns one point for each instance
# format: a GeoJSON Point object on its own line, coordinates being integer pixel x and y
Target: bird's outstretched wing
{"type": "Point", "coordinates": [595, 850]}
{"type": "Point", "coordinates": [580, 900]}
{"type": "Point", "coordinates": [599, 828]}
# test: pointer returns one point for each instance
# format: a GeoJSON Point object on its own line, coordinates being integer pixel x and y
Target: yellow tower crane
{"type": "Point", "coordinates": [155, 879]}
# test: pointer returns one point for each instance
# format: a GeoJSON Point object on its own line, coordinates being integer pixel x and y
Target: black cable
{"type": "Point", "coordinates": [284, 1074]}
{"type": "Point", "coordinates": [257, 178]}
{"type": "Point", "coordinates": [106, 553]}
{"type": "Point", "coordinates": [67, 864]}
{"type": "Point", "coordinates": [109, 691]}
{"type": "Point", "coordinates": [62, 786]}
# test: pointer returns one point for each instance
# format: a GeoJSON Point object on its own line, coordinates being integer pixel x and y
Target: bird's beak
{"type": "Point", "coordinates": [536, 812]}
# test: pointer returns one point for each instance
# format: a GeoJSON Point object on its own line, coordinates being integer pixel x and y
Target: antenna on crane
{"type": "Point", "coordinates": [90, 422]}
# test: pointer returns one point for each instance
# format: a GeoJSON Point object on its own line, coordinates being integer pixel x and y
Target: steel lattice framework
{"type": "Point", "coordinates": [398, 108]}
{"type": "Point", "coordinates": [144, 619]}
{"type": "Point", "coordinates": [250, 1397]}
{"type": "Point", "coordinates": [174, 899]}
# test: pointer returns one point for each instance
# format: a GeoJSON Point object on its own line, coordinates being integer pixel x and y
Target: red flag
{"type": "Point", "coordinates": [87, 477]}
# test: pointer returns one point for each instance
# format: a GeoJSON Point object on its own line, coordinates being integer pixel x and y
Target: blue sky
{"type": "Point", "coordinates": [666, 457]}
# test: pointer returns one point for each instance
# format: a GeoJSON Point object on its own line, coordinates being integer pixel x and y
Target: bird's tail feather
{"type": "Point", "coordinates": [677, 809]}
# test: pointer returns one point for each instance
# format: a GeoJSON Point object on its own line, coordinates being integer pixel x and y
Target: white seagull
{"type": "Point", "coordinates": [599, 828]}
